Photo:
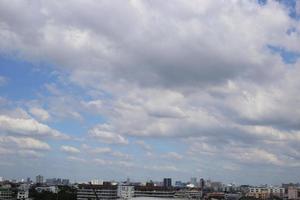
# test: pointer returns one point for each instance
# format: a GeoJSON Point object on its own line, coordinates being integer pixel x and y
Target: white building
{"type": "Point", "coordinates": [53, 189]}
{"type": "Point", "coordinates": [293, 193]}
{"type": "Point", "coordinates": [23, 192]}
{"type": "Point", "coordinates": [23, 195]}
{"type": "Point", "coordinates": [96, 182]}
{"type": "Point", "coordinates": [265, 192]}
{"type": "Point", "coordinates": [125, 191]}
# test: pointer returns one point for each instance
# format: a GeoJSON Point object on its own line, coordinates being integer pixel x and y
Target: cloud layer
{"type": "Point", "coordinates": [158, 83]}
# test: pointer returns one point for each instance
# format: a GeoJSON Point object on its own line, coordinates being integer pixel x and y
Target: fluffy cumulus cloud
{"type": "Point", "coordinates": [69, 149]}
{"type": "Point", "coordinates": [212, 82]}
{"type": "Point", "coordinates": [104, 133]}
{"type": "Point", "coordinates": [29, 127]}
{"type": "Point", "coordinates": [24, 143]}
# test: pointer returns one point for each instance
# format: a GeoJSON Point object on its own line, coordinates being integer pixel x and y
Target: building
{"type": "Point", "coordinates": [180, 184]}
{"type": "Point", "coordinates": [201, 183]}
{"type": "Point", "coordinates": [188, 194]}
{"type": "Point", "coordinates": [215, 195]}
{"type": "Point", "coordinates": [23, 192]}
{"type": "Point", "coordinates": [52, 189]}
{"type": "Point", "coordinates": [293, 193]}
{"type": "Point", "coordinates": [103, 192]}
{"type": "Point", "coordinates": [216, 186]}
{"type": "Point", "coordinates": [39, 179]}
{"type": "Point", "coordinates": [65, 182]}
{"type": "Point", "coordinates": [232, 196]}
{"type": "Point", "coordinates": [57, 181]}
{"type": "Point", "coordinates": [194, 181]}
{"type": "Point", "coordinates": [167, 182]}
{"type": "Point", "coordinates": [28, 180]}
{"type": "Point", "coordinates": [23, 195]}
{"type": "Point", "coordinates": [154, 192]}
{"type": "Point", "coordinates": [96, 182]}
{"type": "Point", "coordinates": [125, 191]}
{"type": "Point", "coordinates": [265, 192]}
{"type": "Point", "coordinates": [6, 192]}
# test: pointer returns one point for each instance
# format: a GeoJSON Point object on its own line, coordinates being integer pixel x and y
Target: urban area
{"type": "Point", "coordinates": [63, 189]}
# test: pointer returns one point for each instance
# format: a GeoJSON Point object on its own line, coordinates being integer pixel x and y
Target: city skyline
{"type": "Point", "coordinates": [150, 89]}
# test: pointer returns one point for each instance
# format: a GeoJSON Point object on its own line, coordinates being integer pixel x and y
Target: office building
{"type": "Point", "coordinates": [167, 182]}
{"type": "Point", "coordinates": [194, 181]}
{"type": "Point", "coordinates": [202, 183]}
{"type": "Point", "coordinates": [105, 192]}
{"type": "Point", "coordinates": [39, 179]}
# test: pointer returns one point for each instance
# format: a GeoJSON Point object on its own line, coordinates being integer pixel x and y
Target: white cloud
{"type": "Point", "coordinates": [76, 159]}
{"type": "Point", "coordinates": [144, 145]}
{"type": "Point", "coordinates": [121, 155]}
{"type": "Point", "coordinates": [172, 156]}
{"type": "Point", "coordinates": [30, 154]}
{"type": "Point", "coordinates": [95, 106]}
{"type": "Point", "coordinates": [28, 127]}
{"type": "Point", "coordinates": [108, 151]}
{"type": "Point", "coordinates": [162, 168]}
{"type": "Point", "coordinates": [69, 149]}
{"type": "Point", "coordinates": [103, 134]}
{"type": "Point", "coordinates": [24, 142]}
{"type": "Point", "coordinates": [40, 113]}
{"type": "Point", "coordinates": [99, 161]}
{"type": "Point", "coordinates": [100, 150]}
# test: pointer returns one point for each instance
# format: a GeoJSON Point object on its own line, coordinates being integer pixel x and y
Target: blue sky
{"type": "Point", "coordinates": [151, 90]}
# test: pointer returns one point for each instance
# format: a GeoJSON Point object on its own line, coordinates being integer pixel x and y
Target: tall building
{"type": "Point", "coordinates": [202, 183]}
{"type": "Point", "coordinates": [28, 180]}
{"type": "Point", "coordinates": [39, 179]}
{"type": "Point", "coordinates": [194, 181]}
{"type": "Point", "coordinates": [167, 182]}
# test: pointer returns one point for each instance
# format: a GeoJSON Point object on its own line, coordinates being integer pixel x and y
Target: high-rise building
{"type": "Point", "coordinates": [28, 180]}
{"type": "Point", "coordinates": [194, 181]}
{"type": "Point", "coordinates": [202, 183]}
{"type": "Point", "coordinates": [167, 182]}
{"type": "Point", "coordinates": [39, 179]}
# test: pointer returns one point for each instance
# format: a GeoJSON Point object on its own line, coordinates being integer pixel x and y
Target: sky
{"type": "Point", "coordinates": [150, 89]}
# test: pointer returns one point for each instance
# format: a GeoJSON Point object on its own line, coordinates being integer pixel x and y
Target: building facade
{"type": "Point", "coordinates": [293, 193]}
{"type": "Point", "coordinates": [92, 192]}
{"type": "Point", "coordinates": [265, 192]}
{"type": "Point", "coordinates": [39, 179]}
{"type": "Point", "coordinates": [6, 193]}
{"type": "Point", "coordinates": [167, 182]}
{"type": "Point", "coordinates": [126, 191]}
